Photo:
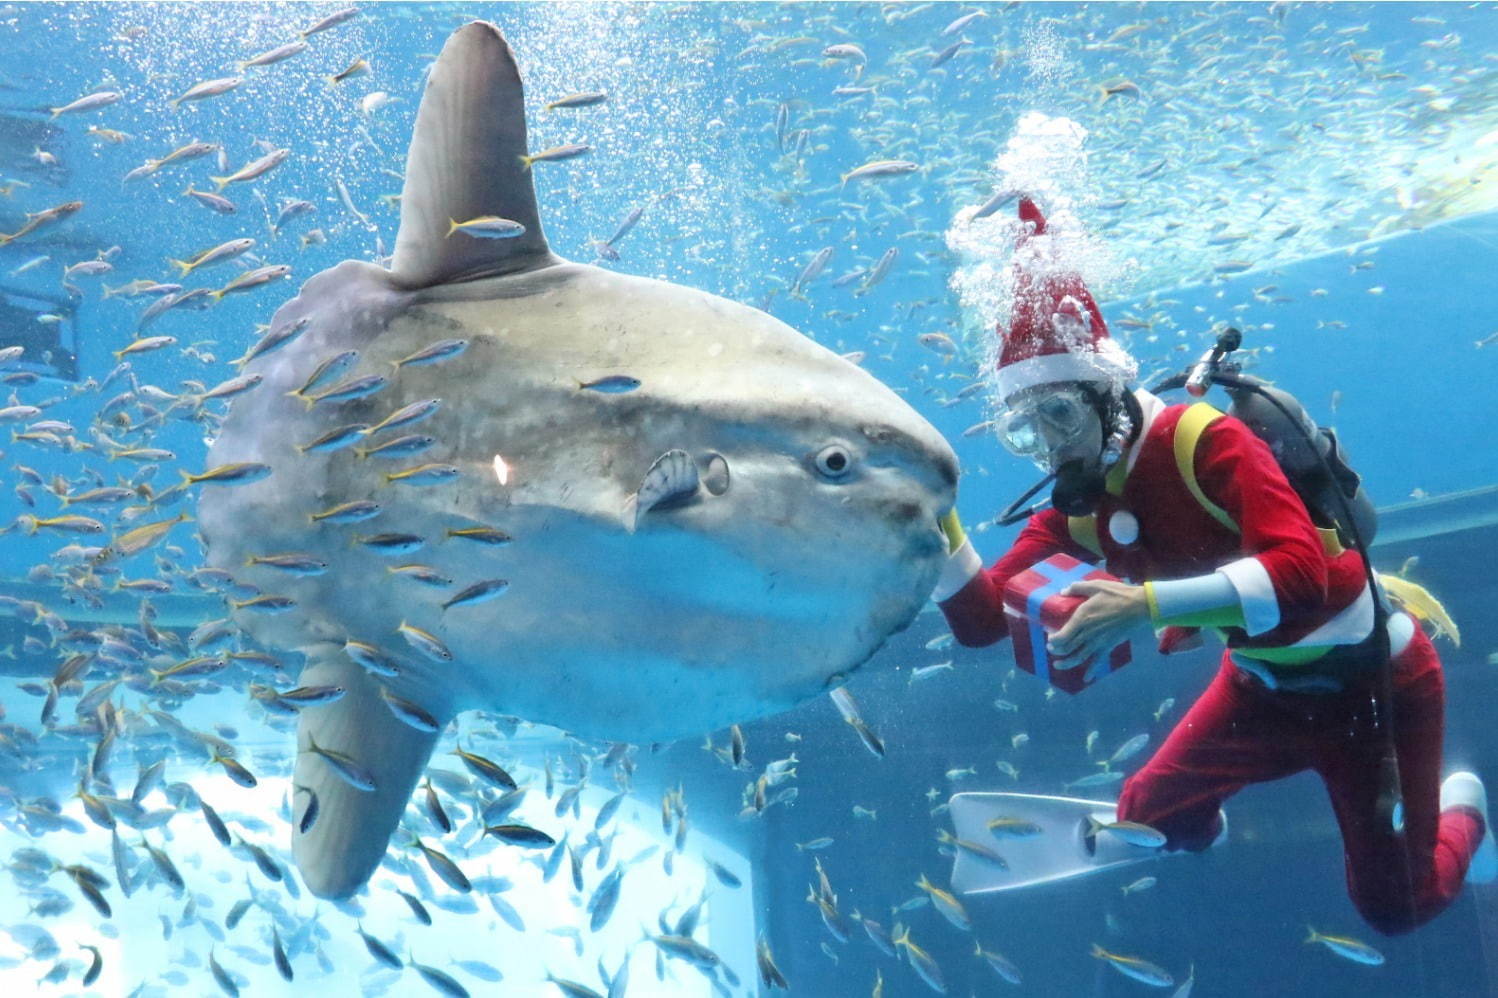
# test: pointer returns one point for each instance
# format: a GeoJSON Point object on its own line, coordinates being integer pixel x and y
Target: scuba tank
{"type": "Point", "coordinates": [1310, 456]}
{"type": "Point", "coordinates": [1317, 469]}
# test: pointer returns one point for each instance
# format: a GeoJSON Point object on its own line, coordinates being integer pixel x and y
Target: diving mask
{"type": "Point", "coordinates": [1047, 422]}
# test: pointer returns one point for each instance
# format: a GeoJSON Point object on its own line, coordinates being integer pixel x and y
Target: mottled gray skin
{"type": "Point", "coordinates": [713, 612]}
{"type": "Point", "coordinates": [716, 610]}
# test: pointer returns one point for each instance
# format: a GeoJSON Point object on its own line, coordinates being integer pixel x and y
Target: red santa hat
{"type": "Point", "coordinates": [1056, 331]}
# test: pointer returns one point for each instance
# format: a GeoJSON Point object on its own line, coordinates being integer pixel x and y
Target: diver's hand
{"type": "Point", "coordinates": [1113, 611]}
{"type": "Point", "coordinates": [951, 526]}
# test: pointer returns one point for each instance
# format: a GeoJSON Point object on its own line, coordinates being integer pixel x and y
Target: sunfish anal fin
{"type": "Point", "coordinates": [464, 163]}
{"type": "Point", "coordinates": [339, 853]}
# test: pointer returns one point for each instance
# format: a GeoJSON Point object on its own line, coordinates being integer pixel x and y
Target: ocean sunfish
{"type": "Point", "coordinates": [620, 506]}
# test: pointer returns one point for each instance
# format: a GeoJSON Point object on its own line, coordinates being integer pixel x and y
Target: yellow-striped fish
{"type": "Point", "coordinates": [1132, 966]}
{"type": "Point", "coordinates": [1346, 947]}
{"type": "Point", "coordinates": [70, 523]}
{"type": "Point", "coordinates": [237, 473]}
{"type": "Point", "coordinates": [944, 902]}
{"type": "Point", "coordinates": [142, 537]}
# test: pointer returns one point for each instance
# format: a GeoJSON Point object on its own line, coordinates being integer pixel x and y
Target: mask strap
{"type": "Point", "coordinates": [1118, 440]}
{"type": "Point", "coordinates": [1118, 422]}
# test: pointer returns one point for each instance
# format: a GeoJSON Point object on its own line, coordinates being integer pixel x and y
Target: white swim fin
{"type": "Point", "coordinates": [1040, 838]}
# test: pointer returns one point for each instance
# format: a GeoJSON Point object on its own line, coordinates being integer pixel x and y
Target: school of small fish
{"type": "Point", "coordinates": [862, 131]}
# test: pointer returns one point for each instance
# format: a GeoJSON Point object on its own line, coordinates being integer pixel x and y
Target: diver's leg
{"type": "Point", "coordinates": [1224, 742]}
{"type": "Point", "coordinates": [1400, 882]}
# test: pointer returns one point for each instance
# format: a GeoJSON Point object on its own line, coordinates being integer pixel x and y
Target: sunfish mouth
{"type": "Point", "coordinates": [673, 481]}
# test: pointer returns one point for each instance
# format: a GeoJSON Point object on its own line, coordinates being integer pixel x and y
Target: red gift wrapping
{"type": "Point", "coordinates": [1035, 609]}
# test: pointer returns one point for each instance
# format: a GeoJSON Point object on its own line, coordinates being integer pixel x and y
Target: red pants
{"type": "Point", "coordinates": [1240, 732]}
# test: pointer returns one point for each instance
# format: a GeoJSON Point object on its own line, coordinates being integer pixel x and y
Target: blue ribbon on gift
{"type": "Point", "coordinates": [1057, 579]}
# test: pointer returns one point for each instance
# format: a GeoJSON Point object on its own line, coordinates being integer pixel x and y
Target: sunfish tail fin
{"type": "Point", "coordinates": [465, 162]}
{"type": "Point", "coordinates": [337, 855]}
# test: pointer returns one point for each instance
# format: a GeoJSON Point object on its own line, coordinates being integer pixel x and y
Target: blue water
{"type": "Point", "coordinates": [1345, 152]}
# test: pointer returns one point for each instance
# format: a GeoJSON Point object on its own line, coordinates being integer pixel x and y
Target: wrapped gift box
{"type": "Point", "coordinates": [1035, 609]}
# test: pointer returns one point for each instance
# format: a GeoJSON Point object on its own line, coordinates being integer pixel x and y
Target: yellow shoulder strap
{"type": "Point", "coordinates": [1083, 530]}
{"type": "Point", "coordinates": [1194, 421]}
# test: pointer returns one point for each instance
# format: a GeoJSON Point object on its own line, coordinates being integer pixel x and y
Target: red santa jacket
{"type": "Point", "coordinates": [1313, 592]}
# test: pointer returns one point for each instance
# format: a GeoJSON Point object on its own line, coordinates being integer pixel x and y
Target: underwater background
{"type": "Point", "coordinates": [1322, 177]}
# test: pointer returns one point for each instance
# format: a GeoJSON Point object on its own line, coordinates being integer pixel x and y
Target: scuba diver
{"type": "Point", "coordinates": [1194, 508]}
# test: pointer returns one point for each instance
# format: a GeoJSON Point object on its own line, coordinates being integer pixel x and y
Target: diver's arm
{"type": "Point", "coordinates": [972, 597]}
{"type": "Point", "coordinates": [1283, 571]}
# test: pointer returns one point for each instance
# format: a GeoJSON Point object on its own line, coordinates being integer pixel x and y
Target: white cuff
{"type": "Point", "coordinates": [959, 570]}
{"type": "Point", "coordinates": [1179, 597]}
{"type": "Point", "coordinates": [1261, 608]}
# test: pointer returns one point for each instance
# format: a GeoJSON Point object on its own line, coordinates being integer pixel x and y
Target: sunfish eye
{"type": "Point", "coordinates": [834, 461]}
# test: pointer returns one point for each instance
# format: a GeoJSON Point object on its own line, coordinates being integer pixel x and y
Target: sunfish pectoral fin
{"type": "Point", "coordinates": [339, 853]}
{"type": "Point", "coordinates": [630, 515]}
{"type": "Point", "coordinates": [464, 163]}
{"type": "Point", "coordinates": [671, 480]}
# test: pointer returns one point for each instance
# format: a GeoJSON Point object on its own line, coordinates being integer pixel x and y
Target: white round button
{"type": "Point", "coordinates": [1123, 528]}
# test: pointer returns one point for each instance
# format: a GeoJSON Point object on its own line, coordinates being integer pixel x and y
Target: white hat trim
{"type": "Point", "coordinates": [1051, 367]}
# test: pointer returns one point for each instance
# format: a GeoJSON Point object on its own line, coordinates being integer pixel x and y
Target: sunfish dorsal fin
{"type": "Point", "coordinates": [465, 162]}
